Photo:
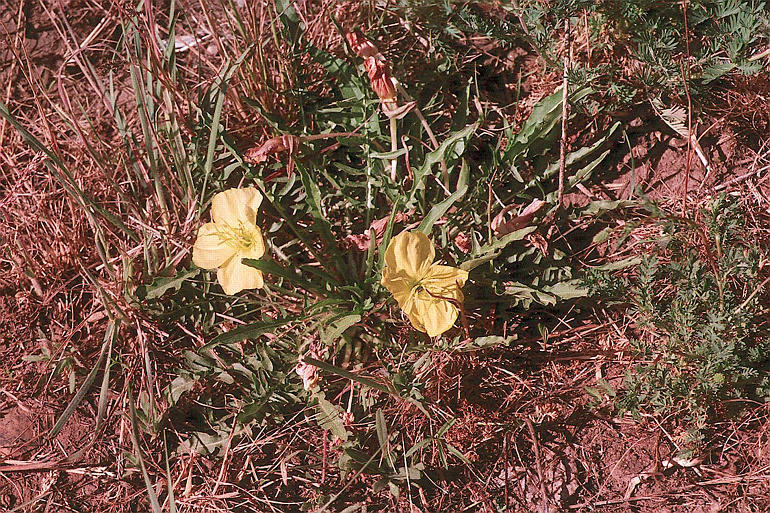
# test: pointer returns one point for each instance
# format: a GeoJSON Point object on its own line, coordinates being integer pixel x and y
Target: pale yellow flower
{"type": "Point", "coordinates": [428, 293]}
{"type": "Point", "coordinates": [231, 236]}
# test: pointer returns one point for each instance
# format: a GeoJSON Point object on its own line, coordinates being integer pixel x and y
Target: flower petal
{"type": "Point", "coordinates": [210, 250]}
{"type": "Point", "coordinates": [398, 283]}
{"type": "Point", "coordinates": [443, 280]}
{"type": "Point", "coordinates": [411, 252]}
{"type": "Point", "coordinates": [236, 206]}
{"type": "Point", "coordinates": [435, 315]}
{"type": "Point", "coordinates": [416, 320]}
{"type": "Point", "coordinates": [235, 276]}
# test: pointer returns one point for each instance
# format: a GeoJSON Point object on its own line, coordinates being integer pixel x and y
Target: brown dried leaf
{"type": "Point", "coordinates": [362, 241]}
{"type": "Point", "coordinates": [360, 45]}
{"type": "Point", "coordinates": [272, 146]}
{"type": "Point", "coordinates": [463, 242]}
{"type": "Point", "coordinates": [502, 227]}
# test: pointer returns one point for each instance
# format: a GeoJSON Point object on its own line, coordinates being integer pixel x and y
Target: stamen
{"type": "Point", "coordinates": [236, 237]}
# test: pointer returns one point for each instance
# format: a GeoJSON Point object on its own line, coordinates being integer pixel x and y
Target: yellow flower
{"type": "Point", "coordinates": [428, 293]}
{"type": "Point", "coordinates": [231, 236]}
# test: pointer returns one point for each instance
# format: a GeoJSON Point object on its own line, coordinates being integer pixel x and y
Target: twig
{"type": "Point", "coordinates": [711, 482]}
{"type": "Point", "coordinates": [564, 113]}
{"type": "Point", "coordinates": [751, 296]}
{"type": "Point", "coordinates": [740, 178]}
{"type": "Point", "coordinates": [505, 462]}
{"type": "Point", "coordinates": [759, 55]}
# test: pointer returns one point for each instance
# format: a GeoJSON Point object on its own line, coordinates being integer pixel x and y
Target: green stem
{"type": "Point", "coordinates": [393, 147]}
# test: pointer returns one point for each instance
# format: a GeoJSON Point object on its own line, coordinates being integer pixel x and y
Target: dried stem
{"type": "Point", "coordinates": [538, 463]}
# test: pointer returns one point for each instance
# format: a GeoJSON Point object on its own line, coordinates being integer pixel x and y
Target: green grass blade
{"type": "Point", "coordinates": [138, 453]}
{"type": "Point", "coordinates": [112, 329]}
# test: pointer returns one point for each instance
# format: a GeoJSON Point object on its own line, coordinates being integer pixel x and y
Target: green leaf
{"type": "Point", "coordinates": [221, 92]}
{"type": "Point", "coordinates": [457, 453]}
{"type": "Point", "coordinates": [178, 387]}
{"type": "Point", "coordinates": [330, 417]}
{"type": "Point", "coordinates": [574, 158]}
{"type": "Point", "coordinates": [601, 206]}
{"type": "Point", "coordinates": [109, 336]}
{"type": "Point", "coordinates": [470, 265]}
{"type": "Point", "coordinates": [335, 331]}
{"type": "Point", "coordinates": [493, 341]}
{"type": "Point", "coordinates": [390, 155]}
{"type": "Point", "coordinates": [382, 430]}
{"type": "Point", "coordinates": [539, 126]}
{"type": "Point", "coordinates": [602, 235]}
{"type": "Point", "coordinates": [717, 70]}
{"type": "Point", "coordinates": [134, 431]}
{"type": "Point", "coordinates": [388, 234]}
{"type": "Point", "coordinates": [426, 226]}
{"type": "Point", "coordinates": [350, 84]}
{"type": "Point", "coordinates": [620, 264]}
{"type": "Point", "coordinates": [273, 120]}
{"type": "Point", "coordinates": [251, 331]}
{"type": "Point", "coordinates": [313, 200]}
{"type": "Point", "coordinates": [525, 292]}
{"type": "Point", "coordinates": [273, 268]}
{"type": "Point", "coordinates": [363, 380]}
{"type": "Point", "coordinates": [160, 286]}
{"type": "Point", "coordinates": [498, 243]}
{"type": "Point", "coordinates": [208, 443]}
{"type": "Point", "coordinates": [570, 289]}
{"type": "Point", "coordinates": [437, 155]}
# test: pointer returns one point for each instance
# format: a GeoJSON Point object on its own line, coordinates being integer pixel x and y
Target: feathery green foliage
{"type": "Point", "coordinates": [702, 333]}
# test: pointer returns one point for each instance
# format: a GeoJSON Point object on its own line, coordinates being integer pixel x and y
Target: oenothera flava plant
{"type": "Point", "coordinates": [427, 292]}
{"type": "Point", "coordinates": [232, 235]}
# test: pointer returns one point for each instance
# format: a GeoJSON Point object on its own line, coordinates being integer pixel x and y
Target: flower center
{"type": "Point", "coordinates": [238, 237]}
{"type": "Point", "coordinates": [416, 285]}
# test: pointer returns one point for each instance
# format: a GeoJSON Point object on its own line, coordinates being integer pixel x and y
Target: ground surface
{"type": "Point", "coordinates": [574, 456]}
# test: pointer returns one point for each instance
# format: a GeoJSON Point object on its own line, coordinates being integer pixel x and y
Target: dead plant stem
{"type": "Point", "coordinates": [16, 42]}
{"type": "Point", "coordinates": [538, 463]}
